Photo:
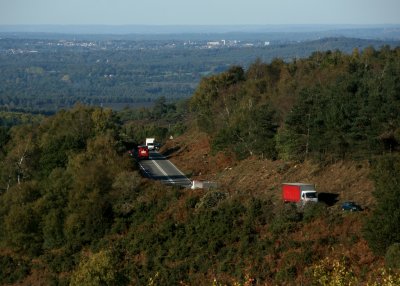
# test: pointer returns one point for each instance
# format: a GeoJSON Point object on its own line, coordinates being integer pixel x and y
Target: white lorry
{"type": "Point", "coordinates": [150, 143]}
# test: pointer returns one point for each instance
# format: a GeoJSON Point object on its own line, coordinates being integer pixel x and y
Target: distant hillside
{"type": "Point", "coordinates": [49, 74]}
{"type": "Point", "coordinates": [296, 50]}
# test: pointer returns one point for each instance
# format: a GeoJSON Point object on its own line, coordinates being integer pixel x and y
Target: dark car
{"type": "Point", "coordinates": [157, 146]}
{"type": "Point", "coordinates": [351, 206]}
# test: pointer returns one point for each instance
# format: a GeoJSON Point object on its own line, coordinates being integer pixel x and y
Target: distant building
{"type": "Point", "coordinates": [213, 44]}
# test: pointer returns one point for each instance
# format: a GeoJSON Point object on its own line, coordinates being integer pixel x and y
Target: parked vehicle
{"type": "Point", "coordinates": [150, 143]}
{"type": "Point", "coordinates": [203, 185]}
{"type": "Point", "coordinates": [299, 192]}
{"type": "Point", "coordinates": [351, 206]}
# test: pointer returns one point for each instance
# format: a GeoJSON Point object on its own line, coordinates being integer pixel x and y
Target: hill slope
{"type": "Point", "coordinates": [343, 180]}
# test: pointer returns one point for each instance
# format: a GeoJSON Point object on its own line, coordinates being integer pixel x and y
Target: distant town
{"type": "Point", "coordinates": [34, 46]}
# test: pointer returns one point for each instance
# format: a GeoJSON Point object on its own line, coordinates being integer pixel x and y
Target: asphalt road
{"type": "Point", "coordinates": [158, 167]}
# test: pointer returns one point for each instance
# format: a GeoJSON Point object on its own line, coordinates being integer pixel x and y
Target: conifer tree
{"type": "Point", "coordinates": [382, 228]}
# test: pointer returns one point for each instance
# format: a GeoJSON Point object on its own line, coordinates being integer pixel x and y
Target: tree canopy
{"type": "Point", "coordinates": [329, 106]}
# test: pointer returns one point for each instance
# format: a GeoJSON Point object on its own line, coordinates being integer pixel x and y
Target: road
{"type": "Point", "coordinates": [158, 167]}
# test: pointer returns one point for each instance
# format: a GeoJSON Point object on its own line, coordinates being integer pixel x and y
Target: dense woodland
{"type": "Point", "coordinates": [329, 106]}
{"type": "Point", "coordinates": [75, 210]}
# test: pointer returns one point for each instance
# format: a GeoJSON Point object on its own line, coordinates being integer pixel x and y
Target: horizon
{"type": "Point", "coordinates": [182, 29]}
{"type": "Point", "coordinates": [206, 12]}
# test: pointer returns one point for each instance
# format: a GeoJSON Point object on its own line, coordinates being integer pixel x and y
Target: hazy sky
{"type": "Point", "coordinates": [199, 12]}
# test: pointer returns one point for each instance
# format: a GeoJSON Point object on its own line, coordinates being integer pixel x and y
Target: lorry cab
{"type": "Point", "coordinates": [151, 146]}
{"type": "Point", "coordinates": [309, 196]}
{"type": "Point", "coordinates": [150, 143]}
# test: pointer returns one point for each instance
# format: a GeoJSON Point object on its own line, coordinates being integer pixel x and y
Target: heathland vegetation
{"type": "Point", "coordinates": [75, 210]}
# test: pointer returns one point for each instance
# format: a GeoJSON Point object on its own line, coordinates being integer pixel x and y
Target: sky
{"type": "Point", "coordinates": [198, 12]}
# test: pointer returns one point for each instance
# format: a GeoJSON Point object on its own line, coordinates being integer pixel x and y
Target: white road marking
{"type": "Point", "coordinates": [170, 180]}
{"type": "Point", "coordinates": [162, 171]}
{"type": "Point", "coordinates": [144, 170]}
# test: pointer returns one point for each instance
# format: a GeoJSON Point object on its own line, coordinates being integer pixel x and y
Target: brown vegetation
{"type": "Point", "coordinates": [257, 177]}
{"type": "Point", "coordinates": [262, 177]}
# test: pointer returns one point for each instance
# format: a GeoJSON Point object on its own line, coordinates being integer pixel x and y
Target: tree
{"type": "Point", "coordinates": [382, 227]}
{"type": "Point", "coordinates": [52, 224]}
{"type": "Point", "coordinates": [21, 227]}
{"type": "Point", "coordinates": [104, 119]}
{"type": "Point", "coordinates": [89, 211]}
{"type": "Point", "coordinates": [4, 137]}
{"type": "Point", "coordinates": [262, 131]}
{"type": "Point", "coordinates": [125, 189]}
{"type": "Point", "coordinates": [215, 97]}
{"type": "Point", "coordinates": [160, 107]}
{"type": "Point", "coordinates": [293, 140]}
{"type": "Point", "coordinates": [97, 269]}
{"type": "Point", "coordinates": [21, 161]}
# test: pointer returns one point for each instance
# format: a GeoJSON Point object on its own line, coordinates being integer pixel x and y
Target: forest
{"type": "Point", "coordinates": [75, 209]}
{"type": "Point", "coordinates": [327, 107]}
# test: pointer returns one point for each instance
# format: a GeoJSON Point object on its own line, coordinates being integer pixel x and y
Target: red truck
{"type": "Point", "coordinates": [143, 152]}
{"type": "Point", "coordinates": [299, 192]}
{"type": "Point", "coordinates": [139, 152]}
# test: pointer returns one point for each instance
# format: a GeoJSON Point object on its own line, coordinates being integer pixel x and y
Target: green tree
{"type": "Point", "coordinates": [104, 119]}
{"type": "Point", "coordinates": [125, 188]}
{"type": "Point", "coordinates": [382, 227]}
{"type": "Point", "coordinates": [215, 97]}
{"type": "Point", "coordinates": [293, 140]}
{"type": "Point", "coordinates": [262, 128]}
{"type": "Point", "coordinates": [4, 137]}
{"type": "Point", "coordinates": [22, 155]}
{"type": "Point", "coordinates": [21, 227]}
{"type": "Point", "coordinates": [160, 107]}
{"type": "Point", "coordinates": [89, 210]}
{"type": "Point", "coordinates": [52, 225]}
{"type": "Point", "coordinates": [97, 269]}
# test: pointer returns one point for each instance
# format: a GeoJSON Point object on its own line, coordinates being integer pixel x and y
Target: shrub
{"type": "Point", "coordinates": [12, 270]}
{"type": "Point", "coordinates": [211, 199]}
{"type": "Point", "coordinates": [384, 277]}
{"type": "Point", "coordinates": [392, 257]}
{"type": "Point", "coordinates": [286, 274]}
{"type": "Point", "coordinates": [333, 272]}
{"type": "Point", "coordinates": [285, 220]}
{"type": "Point", "coordinates": [191, 202]}
{"type": "Point", "coordinates": [312, 211]}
